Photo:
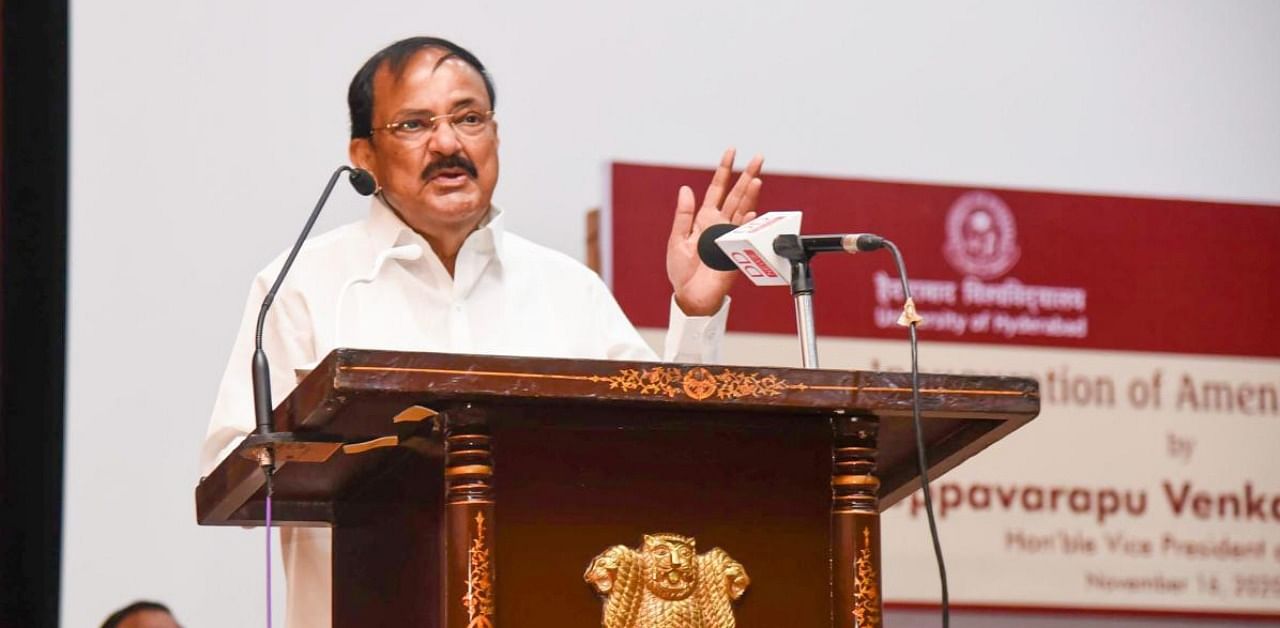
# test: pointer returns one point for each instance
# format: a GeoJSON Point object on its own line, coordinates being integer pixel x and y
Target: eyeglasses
{"type": "Point", "coordinates": [469, 123]}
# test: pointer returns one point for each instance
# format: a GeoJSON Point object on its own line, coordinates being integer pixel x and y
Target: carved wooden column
{"type": "Point", "coordinates": [855, 525]}
{"type": "Point", "coordinates": [468, 521]}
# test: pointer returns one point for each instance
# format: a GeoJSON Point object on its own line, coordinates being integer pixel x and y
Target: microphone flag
{"type": "Point", "coordinates": [750, 247]}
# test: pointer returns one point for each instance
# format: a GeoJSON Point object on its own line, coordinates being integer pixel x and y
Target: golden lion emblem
{"type": "Point", "coordinates": [666, 584]}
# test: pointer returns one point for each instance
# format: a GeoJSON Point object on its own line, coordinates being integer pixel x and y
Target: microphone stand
{"type": "Point", "coordinates": [791, 248]}
{"type": "Point", "coordinates": [802, 291]}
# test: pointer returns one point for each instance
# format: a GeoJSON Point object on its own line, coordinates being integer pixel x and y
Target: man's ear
{"type": "Point", "coordinates": [360, 150]}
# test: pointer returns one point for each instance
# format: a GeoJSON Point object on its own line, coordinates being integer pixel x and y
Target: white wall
{"type": "Point", "coordinates": [203, 131]}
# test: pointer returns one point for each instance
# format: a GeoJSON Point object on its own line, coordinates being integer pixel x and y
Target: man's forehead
{"type": "Point", "coordinates": [419, 70]}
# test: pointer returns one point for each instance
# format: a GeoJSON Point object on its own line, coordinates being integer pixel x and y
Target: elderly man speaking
{"type": "Point", "coordinates": [438, 271]}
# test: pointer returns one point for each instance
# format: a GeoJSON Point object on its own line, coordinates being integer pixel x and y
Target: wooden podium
{"type": "Point", "coordinates": [476, 491]}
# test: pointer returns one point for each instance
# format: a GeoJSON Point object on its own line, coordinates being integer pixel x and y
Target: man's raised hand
{"type": "Point", "coordinates": [699, 290]}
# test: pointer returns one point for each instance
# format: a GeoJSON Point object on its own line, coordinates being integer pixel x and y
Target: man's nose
{"type": "Point", "coordinates": [444, 140]}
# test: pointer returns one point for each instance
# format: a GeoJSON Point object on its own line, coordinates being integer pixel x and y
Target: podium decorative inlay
{"type": "Point", "coordinates": [478, 599]}
{"type": "Point", "coordinates": [866, 604]}
{"type": "Point", "coordinates": [666, 584]}
{"type": "Point", "coordinates": [697, 383]}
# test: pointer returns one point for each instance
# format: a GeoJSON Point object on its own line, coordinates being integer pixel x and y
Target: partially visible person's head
{"type": "Point", "coordinates": [422, 123]}
{"type": "Point", "coordinates": [142, 614]}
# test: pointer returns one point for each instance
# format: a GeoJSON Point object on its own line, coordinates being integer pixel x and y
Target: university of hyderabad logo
{"type": "Point", "coordinates": [982, 239]}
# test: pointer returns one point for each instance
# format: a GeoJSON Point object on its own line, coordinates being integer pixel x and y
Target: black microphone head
{"type": "Point", "coordinates": [709, 252]}
{"type": "Point", "coordinates": [867, 242]}
{"type": "Point", "coordinates": [362, 181]}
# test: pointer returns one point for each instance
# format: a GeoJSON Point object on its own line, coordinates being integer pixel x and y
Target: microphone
{"type": "Point", "coordinates": [764, 248]}
{"type": "Point", "coordinates": [793, 246]}
{"type": "Point", "coordinates": [362, 180]}
{"type": "Point", "coordinates": [770, 251]}
{"type": "Point", "coordinates": [406, 252]}
{"type": "Point", "coordinates": [750, 248]}
{"type": "Point", "coordinates": [364, 184]}
{"type": "Point", "coordinates": [709, 252]}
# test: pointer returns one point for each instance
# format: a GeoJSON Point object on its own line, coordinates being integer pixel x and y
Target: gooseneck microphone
{"type": "Point", "coordinates": [364, 184]}
{"type": "Point", "coordinates": [261, 446]}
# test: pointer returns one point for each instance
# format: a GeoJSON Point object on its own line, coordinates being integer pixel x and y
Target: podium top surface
{"type": "Point", "coordinates": [361, 396]}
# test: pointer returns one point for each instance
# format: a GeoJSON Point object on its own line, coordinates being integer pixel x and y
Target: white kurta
{"type": "Point", "coordinates": [508, 296]}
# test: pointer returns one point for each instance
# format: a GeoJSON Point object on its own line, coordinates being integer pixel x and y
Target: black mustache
{"type": "Point", "coordinates": [452, 161]}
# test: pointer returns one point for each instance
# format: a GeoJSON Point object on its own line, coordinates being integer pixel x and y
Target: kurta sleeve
{"type": "Point", "coordinates": [618, 336]}
{"type": "Point", "coordinates": [695, 338]}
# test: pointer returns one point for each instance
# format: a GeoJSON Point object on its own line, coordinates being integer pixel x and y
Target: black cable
{"type": "Point", "coordinates": [911, 319]}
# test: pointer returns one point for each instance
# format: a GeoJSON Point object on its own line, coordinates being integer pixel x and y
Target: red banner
{"type": "Point", "coordinates": [990, 265]}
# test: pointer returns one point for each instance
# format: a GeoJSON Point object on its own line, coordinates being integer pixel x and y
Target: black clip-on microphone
{"type": "Point", "coordinates": [265, 445]}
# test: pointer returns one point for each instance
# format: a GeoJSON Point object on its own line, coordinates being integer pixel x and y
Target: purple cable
{"type": "Point", "coordinates": [269, 491]}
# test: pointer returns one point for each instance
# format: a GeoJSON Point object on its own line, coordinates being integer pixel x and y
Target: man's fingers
{"type": "Point", "coordinates": [742, 200]}
{"type": "Point", "coordinates": [754, 166]}
{"type": "Point", "coordinates": [683, 222]}
{"type": "Point", "coordinates": [747, 205]}
{"type": "Point", "coordinates": [734, 205]}
{"type": "Point", "coordinates": [734, 199]}
{"type": "Point", "coordinates": [717, 206]}
{"type": "Point", "coordinates": [720, 180]}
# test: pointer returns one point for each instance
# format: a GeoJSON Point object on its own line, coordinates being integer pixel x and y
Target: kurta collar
{"type": "Point", "coordinates": [387, 230]}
